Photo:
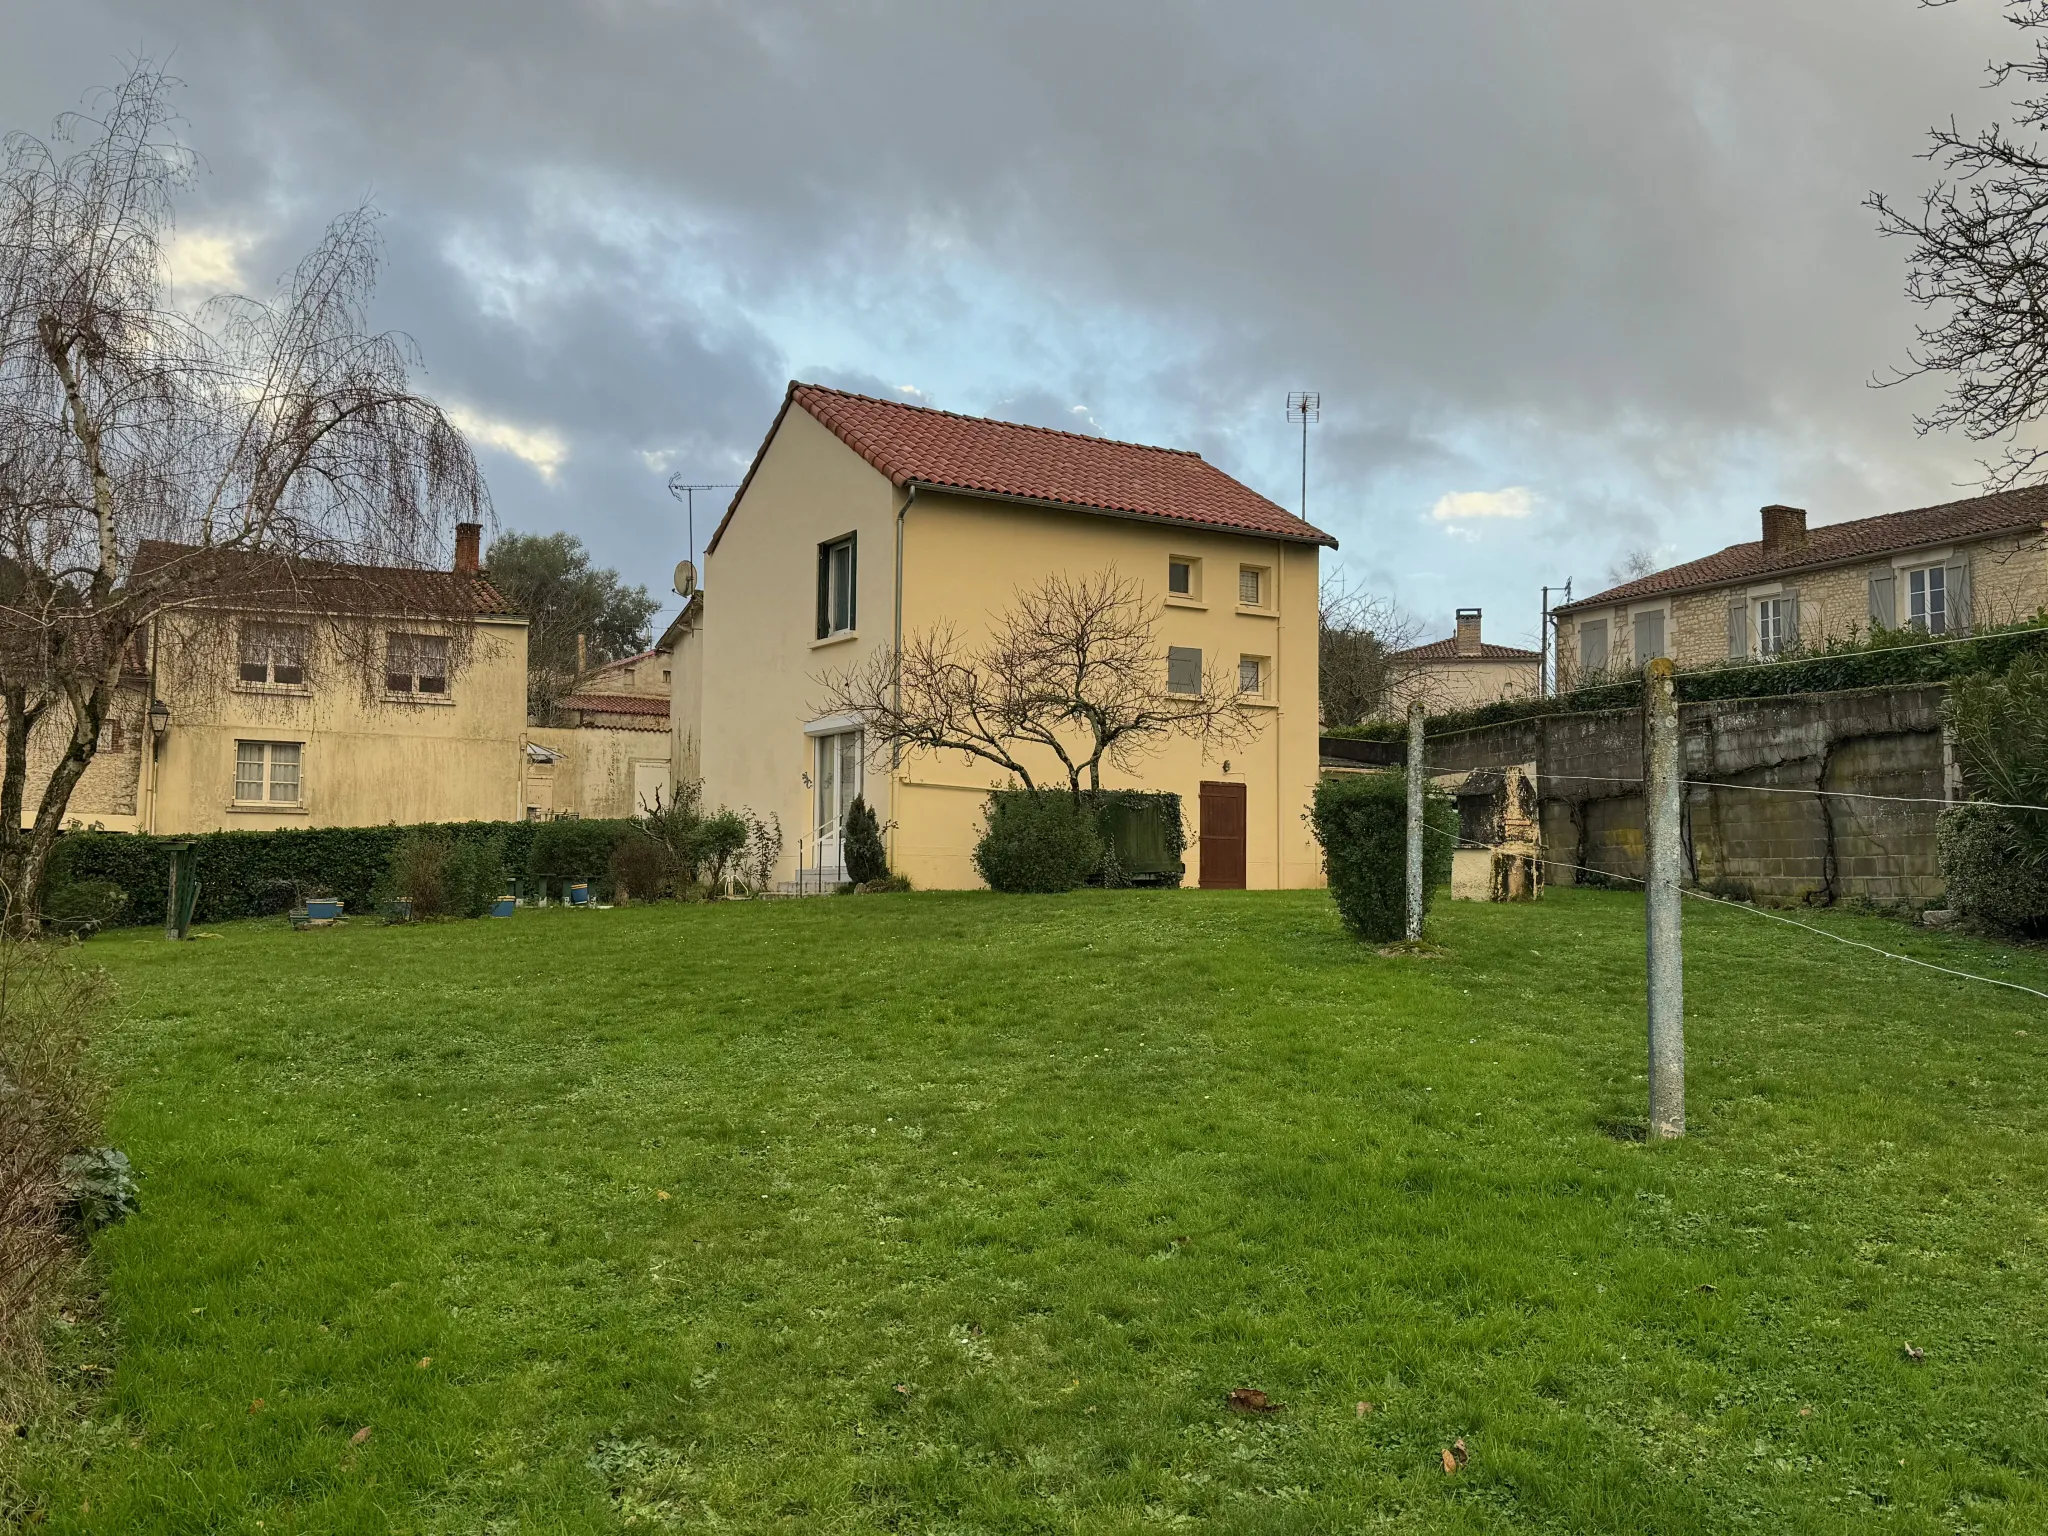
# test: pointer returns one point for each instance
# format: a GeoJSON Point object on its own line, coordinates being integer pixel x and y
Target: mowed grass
{"type": "Point", "coordinates": [964, 1213]}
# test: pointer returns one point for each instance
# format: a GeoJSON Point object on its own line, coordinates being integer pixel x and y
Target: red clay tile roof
{"type": "Point", "coordinates": [616, 703]}
{"type": "Point", "coordinates": [1447, 650]}
{"type": "Point", "coordinates": [241, 579]}
{"type": "Point", "coordinates": [917, 446]}
{"type": "Point", "coordinates": [1976, 517]}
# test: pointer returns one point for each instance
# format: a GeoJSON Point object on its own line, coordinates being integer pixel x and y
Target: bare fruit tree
{"type": "Point", "coordinates": [281, 428]}
{"type": "Point", "coordinates": [1975, 258]}
{"type": "Point", "coordinates": [1358, 636]}
{"type": "Point", "coordinates": [1072, 676]}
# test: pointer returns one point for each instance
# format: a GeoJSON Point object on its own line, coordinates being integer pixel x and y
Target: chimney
{"type": "Point", "coordinates": [1784, 529]}
{"type": "Point", "coordinates": [469, 539]}
{"type": "Point", "coordinates": [1467, 642]}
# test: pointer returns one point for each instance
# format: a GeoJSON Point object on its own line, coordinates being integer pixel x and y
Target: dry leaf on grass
{"type": "Point", "coordinates": [360, 1436]}
{"type": "Point", "coordinates": [1252, 1400]}
{"type": "Point", "coordinates": [1364, 1409]}
{"type": "Point", "coordinates": [1915, 1356]}
{"type": "Point", "coordinates": [1450, 1465]}
{"type": "Point", "coordinates": [1458, 1453]}
{"type": "Point", "coordinates": [425, 1361]}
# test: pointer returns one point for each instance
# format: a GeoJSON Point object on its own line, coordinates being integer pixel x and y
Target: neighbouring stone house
{"type": "Point", "coordinates": [1945, 570]}
{"type": "Point", "coordinates": [1462, 670]}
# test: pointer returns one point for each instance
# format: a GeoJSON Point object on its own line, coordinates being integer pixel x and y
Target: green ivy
{"type": "Point", "coordinates": [1897, 658]}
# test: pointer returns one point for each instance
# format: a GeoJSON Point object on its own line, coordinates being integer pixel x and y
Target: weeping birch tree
{"type": "Point", "coordinates": [275, 435]}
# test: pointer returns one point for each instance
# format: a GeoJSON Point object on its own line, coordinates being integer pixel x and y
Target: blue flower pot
{"type": "Point", "coordinates": [504, 906]}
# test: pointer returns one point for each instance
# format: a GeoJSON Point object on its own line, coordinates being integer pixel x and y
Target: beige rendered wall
{"type": "Point", "coordinates": [966, 558]}
{"type": "Point", "coordinates": [598, 770]}
{"type": "Point", "coordinates": [368, 760]}
{"type": "Point", "coordinates": [760, 656]}
{"type": "Point", "coordinates": [686, 703]}
{"type": "Point", "coordinates": [1450, 684]}
{"type": "Point", "coordinates": [2008, 582]}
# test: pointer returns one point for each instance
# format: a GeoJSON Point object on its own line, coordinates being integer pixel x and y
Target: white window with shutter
{"type": "Point", "coordinates": [1927, 599]}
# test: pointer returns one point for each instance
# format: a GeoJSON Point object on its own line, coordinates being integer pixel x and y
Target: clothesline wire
{"type": "Point", "coordinates": [1784, 789]}
{"type": "Point", "coordinates": [1741, 906]}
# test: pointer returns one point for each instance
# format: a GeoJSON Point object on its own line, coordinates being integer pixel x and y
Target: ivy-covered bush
{"type": "Point", "coordinates": [1991, 881]}
{"type": "Point", "coordinates": [1037, 840]}
{"type": "Point", "coordinates": [1361, 820]}
{"type": "Point", "coordinates": [1143, 837]}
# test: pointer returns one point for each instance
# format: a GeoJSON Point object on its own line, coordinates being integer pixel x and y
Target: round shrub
{"type": "Point", "coordinates": [1037, 840]}
{"type": "Point", "coordinates": [1361, 819]}
{"type": "Point", "coordinates": [1994, 877]}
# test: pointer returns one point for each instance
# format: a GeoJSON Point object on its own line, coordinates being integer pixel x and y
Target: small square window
{"type": "Point", "coordinates": [1249, 586]}
{"type": "Point", "coordinates": [416, 664]}
{"type": "Point", "coordinates": [274, 654]}
{"type": "Point", "coordinates": [1180, 578]}
{"type": "Point", "coordinates": [1251, 675]}
{"type": "Point", "coordinates": [1183, 669]}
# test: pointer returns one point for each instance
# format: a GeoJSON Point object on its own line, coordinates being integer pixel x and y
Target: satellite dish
{"type": "Point", "coordinates": [686, 578]}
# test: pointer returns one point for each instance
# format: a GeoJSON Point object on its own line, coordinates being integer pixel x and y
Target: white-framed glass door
{"type": "Point", "coordinates": [838, 782]}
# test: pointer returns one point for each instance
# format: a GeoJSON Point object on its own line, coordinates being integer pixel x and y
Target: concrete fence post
{"type": "Point", "coordinates": [1415, 778]}
{"type": "Point", "coordinates": [1663, 789]}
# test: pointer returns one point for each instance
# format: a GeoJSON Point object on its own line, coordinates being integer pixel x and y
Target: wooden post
{"type": "Point", "coordinates": [1415, 771]}
{"type": "Point", "coordinates": [1663, 789]}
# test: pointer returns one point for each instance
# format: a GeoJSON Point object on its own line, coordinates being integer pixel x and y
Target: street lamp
{"type": "Point", "coordinates": [159, 717]}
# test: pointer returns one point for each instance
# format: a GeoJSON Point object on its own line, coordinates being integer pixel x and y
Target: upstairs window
{"type": "Point", "coordinates": [1180, 578]}
{"type": "Point", "coordinates": [1771, 636]}
{"type": "Point", "coordinates": [416, 665]}
{"type": "Point", "coordinates": [1251, 586]}
{"type": "Point", "coordinates": [1927, 599]}
{"type": "Point", "coordinates": [836, 575]}
{"type": "Point", "coordinates": [1251, 674]}
{"type": "Point", "coordinates": [274, 654]}
{"type": "Point", "coordinates": [1183, 669]}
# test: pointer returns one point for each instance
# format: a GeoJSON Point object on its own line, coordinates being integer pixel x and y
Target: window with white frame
{"type": "Point", "coordinates": [273, 654]}
{"type": "Point", "coordinates": [1184, 577]}
{"type": "Point", "coordinates": [1771, 616]}
{"type": "Point", "coordinates": [416, 665]}
{"type": "Point", "coordinates": [1183, 669]}
{"type": "Point", "coordinates": [1927, 599]}
{"type": "Point", "coordinates": [837, 564]}
{"type": "Point", "coordinates": [1251, 674]}
{"type": "Point", "coordinates": [267, 772]}
{"type": "Point", "coordinates": [838, 781]}
{"type": "Point", "coordinates": [1251, 586]}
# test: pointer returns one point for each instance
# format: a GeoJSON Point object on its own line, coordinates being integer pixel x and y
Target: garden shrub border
{"type": "Point", "coordinates": [237, 869]}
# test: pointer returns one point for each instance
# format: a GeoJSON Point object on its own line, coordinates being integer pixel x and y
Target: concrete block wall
{"type": "Point", "coordinates": [1753, 840]}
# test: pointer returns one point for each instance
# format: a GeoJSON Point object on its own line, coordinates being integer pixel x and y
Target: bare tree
{"type": "Point", "coordinates": [1359, 634]}
{"type": "Point", "coordinates": [242, 446]}
{"type": "Point", "coordinates": [1072, 673]}
{"type": "Point", "coordinates": [1631, 565]}
{"type": "Point", "coordinates": [1976, 258]}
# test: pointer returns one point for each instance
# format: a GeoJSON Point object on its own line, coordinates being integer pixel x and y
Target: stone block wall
{"type": "Point", "coordinates": [1749, 830]}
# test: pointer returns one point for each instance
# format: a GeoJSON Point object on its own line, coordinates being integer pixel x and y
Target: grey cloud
{"type": "Point", "coordinates": [1611, 251]}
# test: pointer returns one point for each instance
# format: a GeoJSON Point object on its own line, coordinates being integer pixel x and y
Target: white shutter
{"type": "Point", "coordinates": [1738, 628]}
{"type": "Point", "coordinates": [1959, 597]}
{"type": "Point", "coordinates": [1790, 634]}
{"type": "Point", "coordinates": [1884, 601]}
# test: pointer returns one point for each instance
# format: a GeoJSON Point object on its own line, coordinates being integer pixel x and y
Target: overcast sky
{"type": "Point", "coordinates": [1573, 278]}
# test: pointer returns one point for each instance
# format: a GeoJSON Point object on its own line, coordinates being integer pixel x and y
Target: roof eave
{"type": "Point", "coordinates": [1315, 536]}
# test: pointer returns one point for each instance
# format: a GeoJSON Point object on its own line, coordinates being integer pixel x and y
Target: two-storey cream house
{"type": "Point", "coordinates": [319, 695]}
{"type": "Point", "coordinates": [1943, 570]}
{"type": "Point", "coordinates": [863, 521]}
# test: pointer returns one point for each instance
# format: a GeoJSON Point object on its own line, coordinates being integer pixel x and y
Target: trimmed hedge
{"type": "Point", "coordinates": [1037, 840]}
{"type": "Point", "coordinates": [245, 874]}
{"type": "Point", "coordinates": [1895, 658]}
{"type": "Point", "coordinates": [1992, 880]}
{"type": "Point", "coordinates": [1361, 819]}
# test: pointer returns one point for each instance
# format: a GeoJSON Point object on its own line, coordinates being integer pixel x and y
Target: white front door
{"type": "Point", "coordinates": [838, 782]}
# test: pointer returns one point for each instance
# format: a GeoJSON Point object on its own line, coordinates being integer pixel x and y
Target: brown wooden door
{"type": "Point", "coordinates": [1222, 837]}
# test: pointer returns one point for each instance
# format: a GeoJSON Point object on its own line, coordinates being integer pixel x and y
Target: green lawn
{"type": "Point", "coordinates": [964, 1213]}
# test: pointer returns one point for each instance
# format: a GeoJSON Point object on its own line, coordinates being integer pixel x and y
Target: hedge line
{"type": "Point", "coordinates": [240, 872]}
{"type": "Point", "coordinates": [1897, 658]}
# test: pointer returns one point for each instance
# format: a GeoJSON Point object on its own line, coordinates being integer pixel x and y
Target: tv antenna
{"type": "Point", "coordinates": [1304, 406]}
{"type": "Point", "coordinates": [686, 492]}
